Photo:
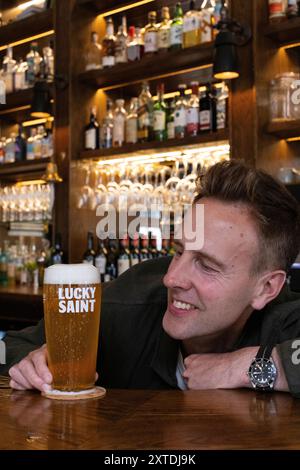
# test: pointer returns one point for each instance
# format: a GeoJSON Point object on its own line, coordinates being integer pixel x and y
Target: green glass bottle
{"type": "Point", "coordinates": [160, 116]}
{"type": "Point", "coordinates": [176, 33]}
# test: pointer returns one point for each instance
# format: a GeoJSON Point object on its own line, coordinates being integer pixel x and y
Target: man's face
{"type": "Point", "coordinates": [211, 289]}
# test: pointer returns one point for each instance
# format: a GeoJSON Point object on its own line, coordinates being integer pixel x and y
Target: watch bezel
{"type": "Point", "coordinates": [263, 362]}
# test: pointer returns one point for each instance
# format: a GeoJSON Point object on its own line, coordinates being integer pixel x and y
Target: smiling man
{"type": "Point", "coordinates": [217, 315]}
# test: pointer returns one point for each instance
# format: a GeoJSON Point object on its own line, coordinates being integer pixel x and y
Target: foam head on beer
{"type": "Point", "coordinates": [75, 297]}
{"type": "Point", "coordinates": [72, 296]}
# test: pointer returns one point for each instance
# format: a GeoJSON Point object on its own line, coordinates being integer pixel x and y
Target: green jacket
{"type": "Point", "coordinates": [135, 352]}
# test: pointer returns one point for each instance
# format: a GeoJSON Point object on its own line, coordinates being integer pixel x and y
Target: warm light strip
{"type": "Point", "coordinates": [156, 77]}
{"type": "Point", "coordinates": [36, 122]}
{"type": "Point", "coordinates": [31, 38]}
{"type": "Point", "coordinates": [291, 46]}
{"type": "Point", "coordinates": [125, 7]}
{"type": "Point", "coordinates": [293, 139]}
{"type": "Point", "coordinates": [28, 183]}
{"type": "Point", "coordinates": [168, 155]}
{"type": "Point", "coordinates": [25, 5]}
{"type": "Point", "coordinates": [13, 110]}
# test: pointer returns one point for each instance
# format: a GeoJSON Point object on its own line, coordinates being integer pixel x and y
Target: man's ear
{"type": "Point", "coordinates": [267, 288]}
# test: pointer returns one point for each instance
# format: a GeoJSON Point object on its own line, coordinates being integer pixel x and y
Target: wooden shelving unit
{"type": "Point", "coordinates": [19, 171]}
{"type": "Point", "coordinates": [285, 32]}
{"type": "Point", "coordinates": [31, 26]}
{"type": "Point", "coordinates": [172, 144]}
{"type": "Point", "coordinates": [284, 129]}
{"type": "Point", "coordinates": [100, 7]}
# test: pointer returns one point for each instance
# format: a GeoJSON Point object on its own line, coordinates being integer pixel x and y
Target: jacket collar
{"type": "Point", "coordinates": [165, 357]}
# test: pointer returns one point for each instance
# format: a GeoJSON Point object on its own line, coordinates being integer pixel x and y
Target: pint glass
{"type": "Point", "coordinates": [72, 317]}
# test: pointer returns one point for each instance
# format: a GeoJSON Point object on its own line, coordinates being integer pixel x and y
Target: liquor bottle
{"type": "Point", "coordinates": [91, 133]}
{"type": "Point", "coordinates": [3, 268]}
{"type": "Point", "coordinates": [109, 45]}
{"type": "Point", "coordinates": [164, 248]}
{"type": "Point", "coordinates": [10, 149]}
{"type": "Point", "coordinates": [180, 113]}
{"type": "Point", "coordinates": [33, 60]}
{"type": "Point", "coordinates": [222, 107]}
{"type": "Point", "coordinates": [20, 75]}
{"type": "Point", "coordinates": [132, 122]}
{"type": "Point", "coordinates": [124, 256]}
{"type": "Point", "coordinates": [101, 259]}
{"type": "Point", "coordinates": [135, 250]}
{"type": "Point", "coordinates": [94, 53]}
{"type": "Point", "coordinates": [145, 114]}
{"type": "Point", "coordinates": [106, 131]}
{"type": "Point", "coordinates": [170, 120]}
{"type": "Point", "coordinates": [206, 21]}
{"type": "Point", "coordinates": [41, 265]}
{"type": "Point", "coordinates": [176, 30]}
{"type": "Point", "coordinates": [292, 9]}
{"type": "Point", "coordinates": [163, 38]}
{"type": "Point", "coordinates": [20, 146]}
{"type": "Point", "coordinates": [2, 150]}
{"type": "Point", "coordinates": [30, 145]}
{"type": "Point", "coordinates": [48, 55]}
{"type": "Point", "coordinates": [276, 10]}
{"type": "Point", "coordinates": [144, 251]}
{"type": "Point", "coordinates": [153, 246]}
{"type": "Point", "coordinates": [57, 254]}
{"type": "Point", "coordinates": [89, 254]}
{"type": "Point", "coordinates": [135, 46]}
{"type": "Point", "coordinates": [206, 111]}
{"type": "Point", "coordinates": [8, 70]}
{"type": "Point", "coordinates": [111, 265]}
{"type": "Point", "coordinates": [119, 124]}
{"type": "Point", "coordinates": [191, 27]}
{"type": "Point", "coordinates": [160, 115]}
{"type": "Point", "coordinates": [171, 250]}
{"type": "Point", "coordinates": [121, 43]}
{"type": "Point", "coordinates": [47, 142]}
{"type": "Point", "coordinates": [217, 15]}
{"type": "Point", "coordinates": [192, 117]}
{"type": "Point", "coordinates": [37, 144]}
{"type": "Point", "coordinates": [151, 34]}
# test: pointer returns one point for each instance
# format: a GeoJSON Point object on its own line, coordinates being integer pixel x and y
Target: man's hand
{"type": "Point", "coordinates": [226, 370]}
{"type": "Point", "coordinates": [32, 372]}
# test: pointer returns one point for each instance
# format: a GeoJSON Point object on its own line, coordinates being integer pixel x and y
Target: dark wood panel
{"type": "Point", "coordinates": [168, 144]}
{"type": "Point", "coordinates": [22, 170]}
{"type": "Point", "coordinates": [35, 24]}
{"type": "Point", "coordinates": [148, 67]}
{"type": "Point", "coordinates": [287, 31]}
{"type": "Point", "coordinates": [284, 129]}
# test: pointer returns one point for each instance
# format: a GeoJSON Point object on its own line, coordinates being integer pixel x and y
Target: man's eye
{"type": "Point", "coordinates": [206, 268]}
{"type": "Point", "coordinates": [178, 253]}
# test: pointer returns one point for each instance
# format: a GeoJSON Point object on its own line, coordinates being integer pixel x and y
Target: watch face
{"type": "Point", "coordinates": [262, 372]}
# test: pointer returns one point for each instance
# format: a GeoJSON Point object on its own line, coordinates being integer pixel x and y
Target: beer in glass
{"type": "Point", "coordinates": [72, 317]}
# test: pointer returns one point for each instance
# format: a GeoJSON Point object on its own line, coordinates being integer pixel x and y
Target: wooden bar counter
{"type": "Point", "coordinates": [139, 419]}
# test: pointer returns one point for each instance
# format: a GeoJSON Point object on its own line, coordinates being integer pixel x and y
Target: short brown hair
{"type": "Point", "coordinates": [274, 209]}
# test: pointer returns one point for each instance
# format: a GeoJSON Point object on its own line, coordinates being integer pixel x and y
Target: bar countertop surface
{"type": "Point", "coordinates": [150, 419]}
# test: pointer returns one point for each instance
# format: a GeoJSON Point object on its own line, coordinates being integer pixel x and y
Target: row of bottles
{"type": "Point", "coordinates": [21, 74]}
{"type": "Point", "coordinates": [194, 27]}
{"type": "Point", "coordinates": [18, 147]}
{"type": "Point", "coordinates": [279, 10]}
{"type": "Point", "coordinates": [113, 257]}
{"type": "Point", "coordinates": [158, 120]}
{"type": "Point", "coordinates": [24, 264]}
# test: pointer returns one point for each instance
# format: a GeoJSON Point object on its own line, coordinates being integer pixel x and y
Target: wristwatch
{"type": "Point", "coordinates": [262, 371]}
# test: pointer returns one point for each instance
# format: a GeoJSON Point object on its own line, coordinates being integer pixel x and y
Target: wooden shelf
{"type": "Point", "coordinates": [285, 32]}
{"type": "Point", "coordinates": [109, 4]}
{"type": "Point", "coordinates": [22, 29]}
{"type": "Point", "coordinates": [19, 171]}
{"type": "Point", "coordinates": [150, 67]}
{"type": "Point", "coordinates": [15, 100]}
{"type": "Point", "coordinates": [284, 129]}
{"type": "Point", "coordinates": [131, 149]}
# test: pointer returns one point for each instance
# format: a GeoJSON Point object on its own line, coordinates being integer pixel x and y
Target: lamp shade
{"type": "Point", "coordinates": [225, 62]}
{"type": "Point", "coordinates": [40, 106]}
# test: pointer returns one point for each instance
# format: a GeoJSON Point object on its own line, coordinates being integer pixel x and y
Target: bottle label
{"type": "Point", "coordinates": [192, 120]}
{"type": "Point", "coordinates": [180, 117]}
{"type": "Point", "coordinates": [159, 120]}
{"type": "Point", "coordinates": [176, 34]}
{"type": "Point", "coordinates": [164, 39]}
{"type": "Point", "coordinates": [276, 8]}
{"type": "Point", "coordinates": [134, 261]}
{"type": "Point", "coordinates": [204, 120]}
{"type": "Point", "coordinates": [121, 52]}
{"type": "Point", "coordinates": [90, 139]}
{"type": "Point", "coordinates": [123, 265]}
{"type": "Point", "coordinates": [131, 131]}
{"type": "Point", "coordinates": [30, 152]}
{"type": "Point", "coordinates": [143, 117]}
{"type": "Point", "coordinates": [221, 114]}
{"type": "Point", "coordinates": [100, 263]}
{"type": "Point", "coordinates": [106, 137]}
{"type": "Point", "coordinates": [171, 130]}
{"type": "Point", "coordinates": [190, 23]}
{"type": "Point", "coordinates": [118, 130]}
{"type": "Point", "coordinates": [150, 41]}
{"type": "Point", "coordinates": [206, 29]}
{"type": "Point", "coordinates": [108, 61]}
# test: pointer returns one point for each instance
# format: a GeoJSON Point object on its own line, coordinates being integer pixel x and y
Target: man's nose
{"type": "Point", "coordinates": [178, 274]}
